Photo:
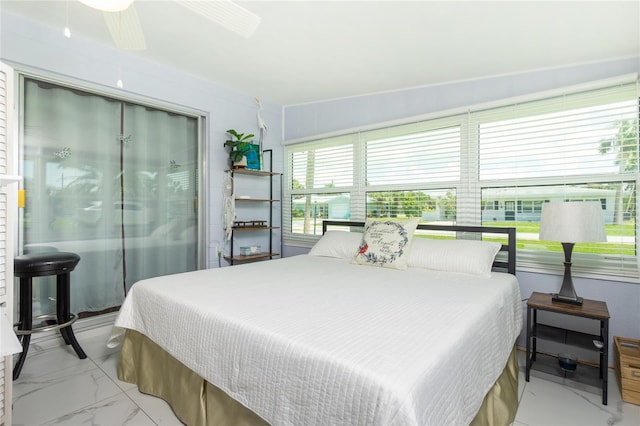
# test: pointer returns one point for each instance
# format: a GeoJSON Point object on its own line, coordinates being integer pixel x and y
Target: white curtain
{"type": "Point", "coordinates": [113, 182]}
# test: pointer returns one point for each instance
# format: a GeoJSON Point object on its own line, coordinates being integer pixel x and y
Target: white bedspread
{"type": "Point", "coordinates": [311, 340]}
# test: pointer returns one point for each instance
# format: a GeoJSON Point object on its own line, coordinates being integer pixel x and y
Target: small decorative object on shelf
{"type": "Point", "coordinates": [568, 362]}
{"type": "Point", "coordinates": [244, 153]}
{"type": "Point", "coordinates": [250, 224]}
{"type": "Point", "coordinates": [249, 250]}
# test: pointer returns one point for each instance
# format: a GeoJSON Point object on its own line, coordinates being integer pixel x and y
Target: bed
{"type": "Point", "coordinates": [319, 339]}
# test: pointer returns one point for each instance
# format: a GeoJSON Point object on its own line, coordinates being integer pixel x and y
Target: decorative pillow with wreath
{"type": "Point", "coordinates": [386, 243]}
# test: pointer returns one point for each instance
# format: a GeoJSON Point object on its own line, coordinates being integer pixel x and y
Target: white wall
{"type": "Point", "coordinates": [303, 121]}
{"type": "Point", "coordinates": [30, 46]}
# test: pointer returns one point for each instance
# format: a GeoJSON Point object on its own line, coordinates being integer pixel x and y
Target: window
{"type": "Point", "coordinates": [494, 166]}
{"type": "Point", "coordinates": [578, 147]}
{"type": "Point", "coordinates": [490, 205]}
{"type": "Point", "coordinates": [405, 171]}
{"type": "Point", "coordinates": [530, 206]}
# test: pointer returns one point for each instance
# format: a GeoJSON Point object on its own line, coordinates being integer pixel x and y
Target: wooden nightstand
{"type": "Point", "coordinates": [591, 309]}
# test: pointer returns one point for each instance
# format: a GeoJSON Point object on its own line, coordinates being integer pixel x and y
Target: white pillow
{"type": "Point", "coordinates": [341, 244]}
{"type": "Point", "coordinates": [386, 243]}
{"type": "Point", "coordinates": [467, 256]}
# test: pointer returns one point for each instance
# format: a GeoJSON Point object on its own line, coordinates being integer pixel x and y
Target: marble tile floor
{"type": "Point", "coordinates": [57, 388]}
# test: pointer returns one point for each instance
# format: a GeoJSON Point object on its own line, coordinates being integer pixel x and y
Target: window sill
{"type": "Point", "coordinates": [538, 269]}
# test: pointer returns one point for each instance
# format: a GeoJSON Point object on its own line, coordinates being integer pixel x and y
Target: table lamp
{"type": "Point", "coordinates": [570, 223]}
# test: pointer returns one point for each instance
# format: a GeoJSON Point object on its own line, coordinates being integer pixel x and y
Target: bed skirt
{"type": "Point", "coordinates": [197, 402]}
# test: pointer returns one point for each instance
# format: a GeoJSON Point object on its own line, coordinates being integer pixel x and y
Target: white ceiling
{"type": "Point", "coordinates": [306, 51]}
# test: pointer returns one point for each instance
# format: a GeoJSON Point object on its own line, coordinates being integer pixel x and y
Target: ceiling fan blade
{"type": "Point", "coordinates": [226, 14]}
{"type": "Point", "coordinates": [108, 6]}
{"type": "Point", "coordinates": [125, 29]}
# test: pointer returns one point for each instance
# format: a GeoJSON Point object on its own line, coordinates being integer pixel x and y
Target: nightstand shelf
{"type": "Point", "coordinates": [585, 374]}
{"type": "Point", "coordinates": [569, 337]}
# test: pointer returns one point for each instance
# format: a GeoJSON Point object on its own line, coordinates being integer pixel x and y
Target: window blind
{"type": "Point", "coordinates": [566, 136]}
{"type": "Point", "coordinates": [417, 158]}
{"type": "Point", "coordinates": [324, 167]}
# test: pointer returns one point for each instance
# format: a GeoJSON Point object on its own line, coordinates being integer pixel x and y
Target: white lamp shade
{"type": "Point", "coordinates": [572, 222]}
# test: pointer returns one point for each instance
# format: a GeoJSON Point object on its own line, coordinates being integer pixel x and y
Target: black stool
{"type": "Point", "coordinates": [38, 265]}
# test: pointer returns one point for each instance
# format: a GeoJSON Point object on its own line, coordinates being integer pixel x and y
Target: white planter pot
{"type": "Point", "coordinates": [240, 164]}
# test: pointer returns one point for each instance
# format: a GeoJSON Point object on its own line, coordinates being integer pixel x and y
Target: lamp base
{"type": "Point", "coordinates": [555, 297]}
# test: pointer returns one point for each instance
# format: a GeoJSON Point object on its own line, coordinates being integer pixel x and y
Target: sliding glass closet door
{"type": "Point", "coordinates": [112, 181]}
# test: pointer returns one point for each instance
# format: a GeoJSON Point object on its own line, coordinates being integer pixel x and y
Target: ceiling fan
{"type": "Point", "coordinates": [123, 23]}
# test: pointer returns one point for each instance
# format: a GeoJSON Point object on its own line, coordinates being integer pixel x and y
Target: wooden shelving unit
{"type": "Point", "coordinates": [265, 225]}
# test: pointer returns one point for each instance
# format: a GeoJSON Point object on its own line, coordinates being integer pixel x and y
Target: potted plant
{"type": "Point", "coordinates": [239, 143]}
